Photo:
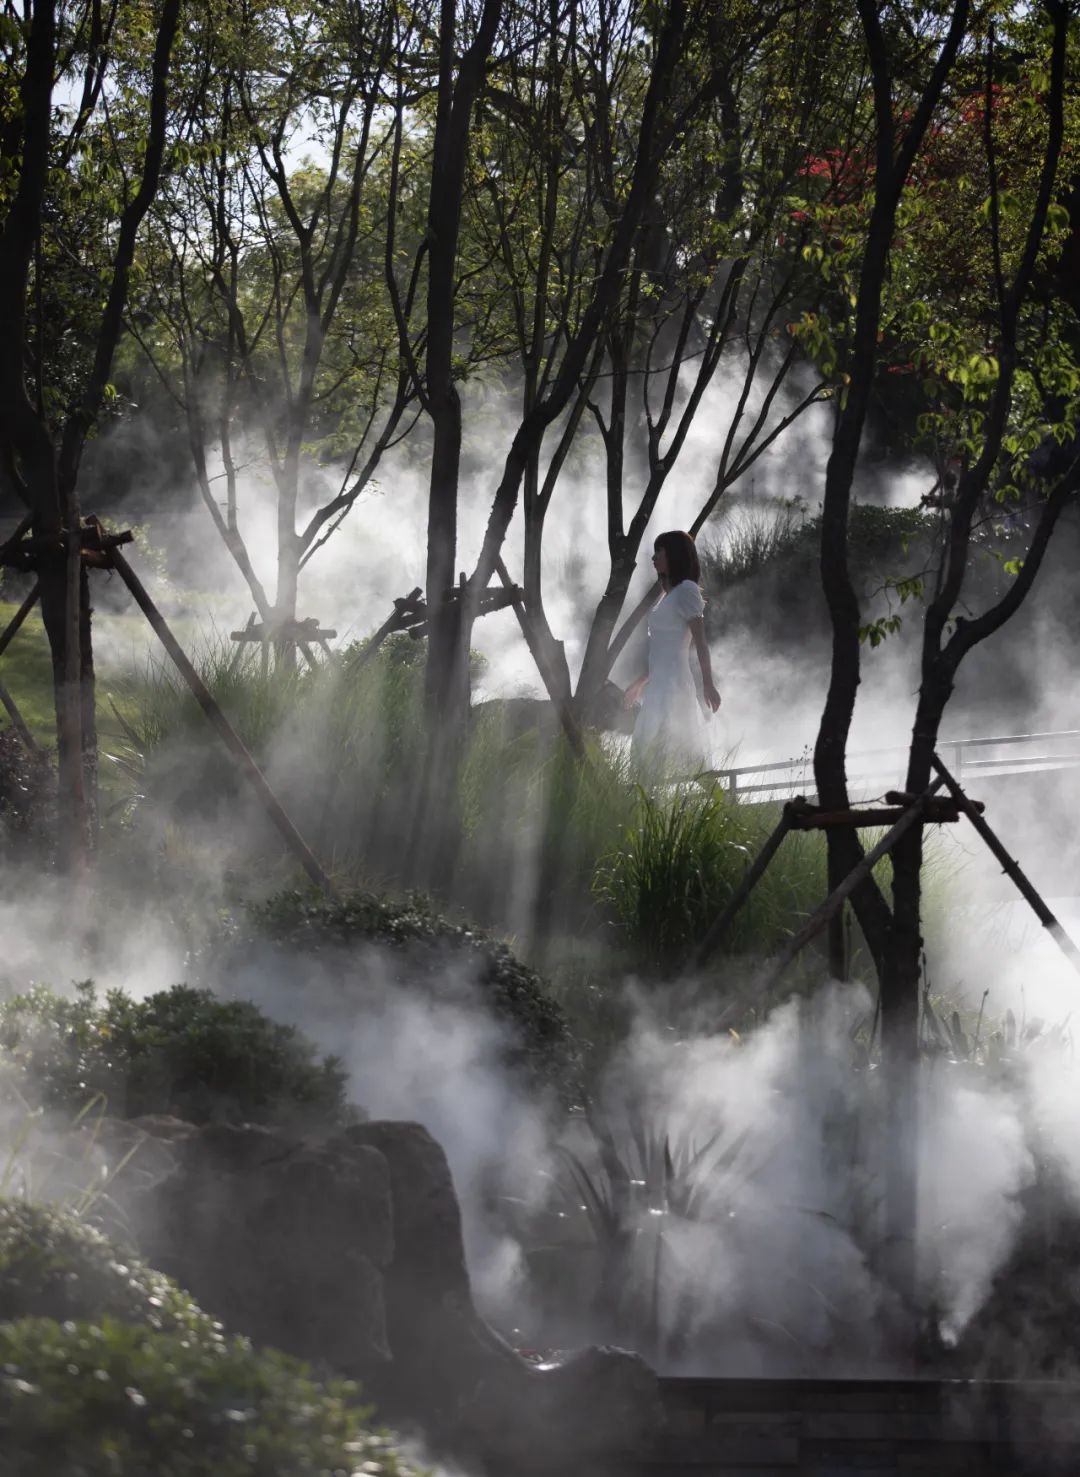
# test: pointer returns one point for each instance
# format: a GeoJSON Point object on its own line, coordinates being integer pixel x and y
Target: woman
{"type": "Point", "coordinates": [670, 727]}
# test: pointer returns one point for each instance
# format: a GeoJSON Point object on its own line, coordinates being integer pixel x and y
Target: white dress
{"type": "Point", "coordinates": [670, 728]}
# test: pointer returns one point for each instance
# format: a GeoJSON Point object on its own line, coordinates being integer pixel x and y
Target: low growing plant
{"type": "Point", "coordinates": [181, 1051]}
{"type": "Point", "coordinates": [111, 1399]}
{"type": "Point", "coordinates": [54, 1265]}
{"type": "Point", "coordinates": [433, 950]}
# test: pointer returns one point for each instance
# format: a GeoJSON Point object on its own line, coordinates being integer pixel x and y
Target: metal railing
{"type": "Point", "coordinates": [885, 766]}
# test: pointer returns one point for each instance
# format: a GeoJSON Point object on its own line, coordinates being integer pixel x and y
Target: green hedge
{"type": "Point", "coordinates": [181, 1051]}
{"type": "Point", "coordinates": [53, 1265]}
{"type": "Point", "coordinates": [116, 1400]}
{"type": "Point", "coordinates": [308, 923]}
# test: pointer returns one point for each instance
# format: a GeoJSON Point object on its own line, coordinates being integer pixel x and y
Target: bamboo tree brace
{"type": "Point", "coordinates": [251, 771]}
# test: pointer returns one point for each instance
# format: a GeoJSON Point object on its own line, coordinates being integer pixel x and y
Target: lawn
{"type": "Point", "coordinates": [26, 672]}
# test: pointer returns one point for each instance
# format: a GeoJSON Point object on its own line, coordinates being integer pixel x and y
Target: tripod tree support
{"type": "Point", "coordinates": [1010, 867]}
{"type": "Point", "coordinates": [800, 815]}
{"type": "Point", "coordinates": [17, 537]}
{"type": "Point", "coordinates": [231, 739]}
{"type": "Point", "coordinates": [858, 874]}
{"type": "Point", "coordinates": [408, 611]}
{"type": "Point", "coordinates": [18, 722]}
{"type": "Point", "coordinates": [12, 627]}
{"type": "Point", "coordinates": [751, 878]}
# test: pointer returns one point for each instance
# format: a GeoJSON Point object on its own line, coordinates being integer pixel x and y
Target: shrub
{"type": "Point", "coordinates": [180, 1051]}
{"type": "Point", "coordinates": [53, 1265]}
{"type": "Point", "coordinates": [680, 861]}
{"type": "Point", "coordinates": [113, 1400]}
{"type": "Point", "coordinates": [307, 923]}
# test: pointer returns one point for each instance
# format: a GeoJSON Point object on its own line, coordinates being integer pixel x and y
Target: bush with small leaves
{"type": "Point", "coordinates": [432, 949]}
{"type": "Point", "coordinates": [181, 1051]}
{"type": "Point", "coordinates": [53, 1265]}
{"type": "Point", "coordinates": [110, 1399]}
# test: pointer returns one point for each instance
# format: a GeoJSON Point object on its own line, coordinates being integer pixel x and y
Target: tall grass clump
{"type": "Point", "coordinates": [341, 744]}
{"type": "Point", "coordinates": [156, 706]}
{"type": "Point", "coordinates": [679, 862]}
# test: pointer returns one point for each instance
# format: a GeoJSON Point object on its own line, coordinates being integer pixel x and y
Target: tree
{"type": "Point", "coordinates": [713, 281]}
{"type": "Point", "coordinates": [1012, 388]}
{"type": "Point", "coordinates": [264, 312]}
{"type": "Point", "coordinates": [714, 273]}
{"type": "Point", "coordinates": [669, 41]}
{"type": "Point", "coordinates": [75, 185]}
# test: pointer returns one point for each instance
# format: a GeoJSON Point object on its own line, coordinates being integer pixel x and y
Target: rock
{"type": "Point", "coordinates": [427, 1220]}
{"type": "Point", "coordinates": [597, 1405]}
{"type": "Point", "coordinates": [428, 1303]}
{"type": "Point", "coordinates": [453, 1375]}
{"type": "Point", "coordinates": [517, 716]}
{"type": "Point", "coordinates": [282, 1239]}
{"type": "Point", "coordinates": [349, 1253]}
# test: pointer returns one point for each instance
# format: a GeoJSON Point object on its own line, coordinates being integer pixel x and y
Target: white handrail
{"type": "Point", "coordinates": [733, 776]}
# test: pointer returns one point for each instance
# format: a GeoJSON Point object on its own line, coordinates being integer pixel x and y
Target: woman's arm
{"type": "Point", "coordinates": [701, 646]}
{"type": "Point", "coordinates": [634, 691]}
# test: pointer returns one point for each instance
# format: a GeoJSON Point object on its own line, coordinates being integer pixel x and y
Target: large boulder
{"type": "Point", "coordinates": [284, 1239]}
{"type": "Point", "coordinates": [517, 717]}
{"type": "Point", "coordinates": [348, 1251]}
{"type": "Point", "coordinates": [453, 1374]}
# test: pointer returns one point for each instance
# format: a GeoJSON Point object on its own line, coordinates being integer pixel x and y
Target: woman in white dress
{"type": "Point", "coordinates": [670, 729]}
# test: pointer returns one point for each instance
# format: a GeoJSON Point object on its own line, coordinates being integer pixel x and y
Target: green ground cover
{"type": "Point", "coordinates": [121, 647]}
{"type": "Point", "coordinates": [26, 673]}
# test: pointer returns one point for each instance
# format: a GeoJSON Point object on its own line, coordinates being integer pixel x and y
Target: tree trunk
{"type": "Point", "coordinates": [899, 984]}
{"type": "Point", "coordinates": [72, 821]}
{"type": "Point", "coordinates": [554, 652]}
{"type": "Point", "coordinates": [436, 824]}
{"type": "Point", "coordinates": [88, 702]}
{"type": "Point", "coordinates": [596, 663]}
{"type": "Point", "coordinates": [285, 602]}
{"type": "Point", "coordinates": [288, 480]}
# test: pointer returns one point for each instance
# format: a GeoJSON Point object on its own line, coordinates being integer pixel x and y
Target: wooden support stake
{"type": "Point", "coordinates": [935, 812]}
{"type": "Point", "coordinates": [1010, 867]}
{"type": "Point", "coordinates": [569, 723]}
{"type": "Point", "coordinates": [750, 880]}
{"type": "Point", "coordinates": [394, 622]}
{"type": "Point", "coordinates": [19, 534]}
{"type": "Point", "coordinates": [18, 723]}
{"type": "Point", "coordinates": [17, 619]}
{"type": "Point", "coordinates": [858, 874]}
{"type": "Point", "coordinates": [269, 801]}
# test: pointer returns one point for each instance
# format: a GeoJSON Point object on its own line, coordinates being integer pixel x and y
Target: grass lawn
{"type": "Point", "coordinates": [120, 642]}
{"type": "Point", "coordinates": [26, 672]}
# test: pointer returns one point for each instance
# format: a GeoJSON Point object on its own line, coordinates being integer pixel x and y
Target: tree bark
{"type": "Point", "coordinates": [892, 935]}
{"type": "Point", "coordinates": [72, 819]}
{"type": "Point", "coordinates": [88, 705]}
{"type": "Point", "coordinates": [446, 679]}
{"type": "Point", "coordinates": [553, 651]}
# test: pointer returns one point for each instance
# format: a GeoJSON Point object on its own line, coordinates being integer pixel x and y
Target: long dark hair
{"type": "Point", "coordinates": [682, 558]}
